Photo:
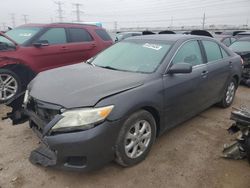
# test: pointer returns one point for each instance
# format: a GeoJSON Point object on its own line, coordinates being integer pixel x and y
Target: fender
{"type": "Point", "coordinates": [151, 101]}
{"type": "Point", "coordinates": [5, 60]}
{"type": "Point", "coordinates": [25, 73]}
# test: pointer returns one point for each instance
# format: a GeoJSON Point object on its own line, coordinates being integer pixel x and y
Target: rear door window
{"type": "Point", "coordinates": [54, 36]}
{"type": "Point", "coordinates": [189, 53]}
{"type": "Point", "coordinates": [103, 34]}
{"type": "Point", "coordinates": [212, 50]}
{"type": "Point", "coordinates": [79, 35]}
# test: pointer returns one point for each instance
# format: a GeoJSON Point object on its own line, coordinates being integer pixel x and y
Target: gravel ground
{"type": "Point", "coordinates": [187, 156]}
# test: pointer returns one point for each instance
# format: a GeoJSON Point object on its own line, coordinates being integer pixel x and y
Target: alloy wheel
{"type": "Point", "coordinates": [230, 92]}
{"type": "Point", "coordinates": [8, 87]}
{"type": "Point", "coordinates": [137, 139]}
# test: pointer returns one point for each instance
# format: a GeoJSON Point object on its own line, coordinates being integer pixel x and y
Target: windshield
{"type": "Point", "coordinates": [241, 46]}
{"type": "Point", "coordinates": [22, 34]}
{"type": "Point", "coordinates": [133, 57]}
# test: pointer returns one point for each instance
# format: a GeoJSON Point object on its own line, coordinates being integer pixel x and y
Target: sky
{"type": "Point", "coordinates": [130, 13]}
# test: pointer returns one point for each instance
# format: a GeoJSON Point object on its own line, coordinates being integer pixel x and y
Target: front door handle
{"type": "Point", "coordinates": [230, 64]}
{"type": "Point", "coordinates": [64, 48]}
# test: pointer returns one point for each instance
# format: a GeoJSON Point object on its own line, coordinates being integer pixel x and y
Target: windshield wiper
{"type": "Point", "coordinates": [108, 67]}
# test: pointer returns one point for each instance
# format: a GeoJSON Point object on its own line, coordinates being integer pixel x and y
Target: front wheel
{"type": "Point", "coordinates": [229, 94]}
{"type": "Point", "coordinates": [10, 85]}
{"type": "Point", "coordinates": [135, 139]}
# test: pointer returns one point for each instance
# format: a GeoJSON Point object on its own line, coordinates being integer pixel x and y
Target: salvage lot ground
{"type": "Point", "coordinates": [187, 156]}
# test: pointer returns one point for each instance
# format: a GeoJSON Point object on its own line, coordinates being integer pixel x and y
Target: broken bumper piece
{"type": "Point", "coordinates": [234, 151]}
{"type": "Point", "coordinates": [240, 149]}
{"type": "Point", "coordinates": [43, 156]}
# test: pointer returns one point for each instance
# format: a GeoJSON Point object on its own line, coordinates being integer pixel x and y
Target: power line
{"type": "Point", "coordinates": [184, 6]}
{"type": "Point", "coordinates": [59, 10]}
{"type": "Point", "coordinates": [78, 11]}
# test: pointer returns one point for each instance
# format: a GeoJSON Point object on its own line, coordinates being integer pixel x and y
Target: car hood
{"type": "Point", "coordinates": [82, 85]}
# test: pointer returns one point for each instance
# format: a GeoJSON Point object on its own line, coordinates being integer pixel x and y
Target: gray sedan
{"type": "Point", "coordinates": [114, 106]}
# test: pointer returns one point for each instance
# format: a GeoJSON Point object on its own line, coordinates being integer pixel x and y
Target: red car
{"type": "Point", "coordinates": [32, 48]}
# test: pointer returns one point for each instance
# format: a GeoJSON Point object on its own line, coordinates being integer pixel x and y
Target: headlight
{"type": "Point", "coordinates": [82, 119]}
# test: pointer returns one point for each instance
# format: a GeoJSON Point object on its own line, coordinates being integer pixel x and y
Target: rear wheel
{"type": "Point", "coordinates": [10, 85]}
{"type": "Point", "coordinates": [136, 138]}
{"type": "Point", "coordinates": [229, 94]}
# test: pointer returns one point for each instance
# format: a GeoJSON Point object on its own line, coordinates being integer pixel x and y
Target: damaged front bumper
{"type": "Point", "coordinates": [83, 150]}
{"type": "Point", "coordinates": [79, 150]}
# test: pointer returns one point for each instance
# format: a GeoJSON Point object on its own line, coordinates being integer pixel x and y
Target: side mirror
{"type": "Point", "coordinates": [180, 68]}
{"type": "Point", "coordinates": [41, 43]}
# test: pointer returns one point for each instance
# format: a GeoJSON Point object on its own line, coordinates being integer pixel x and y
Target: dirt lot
{"type": "Point", "coordinates": [187, 156]}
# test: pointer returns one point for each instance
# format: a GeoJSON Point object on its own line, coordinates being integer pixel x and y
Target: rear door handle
{"type": "Point", "coordinates": [93, 45]}
{"type": "Point", "coordinates": [204, 73]}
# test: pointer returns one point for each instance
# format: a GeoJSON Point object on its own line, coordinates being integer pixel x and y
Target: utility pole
{"type": "Point", "coordinates": [78, 11]}
{"type": "Point", "coordinates": [4, 26]}
{"type": "Point", "coordinates": [13, 20]}
{"type": "Point", "coordinates": [203, 21]}
{"type": "Point", "coordinates": [115, 26]}
{"type": "Point", "coordinates": [25, 18]}
{"type": "Point", "coordinates": [59, 10]}
{"type": "Point", "coordinates": [172, 21]}
{"type": "Point", "coordinates": [51, 20]}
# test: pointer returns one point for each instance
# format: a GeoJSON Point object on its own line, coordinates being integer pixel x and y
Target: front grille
{"type": "Point", "coordinates": [44, 111]}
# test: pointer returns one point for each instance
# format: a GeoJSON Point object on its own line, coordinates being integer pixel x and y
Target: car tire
{"type": "Point", "coordinates": [11, 88]}
{"type": "Point", "coordinates": [229, 94]}
{"type": "Point", "coordinates": [139, 133]}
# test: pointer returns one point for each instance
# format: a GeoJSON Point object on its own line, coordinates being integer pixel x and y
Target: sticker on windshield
{"type": "Point", "coordinates": [152, 46]}
{"type": "Point", "coordinates": [25, 34]}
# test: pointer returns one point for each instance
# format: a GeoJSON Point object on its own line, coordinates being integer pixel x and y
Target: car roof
{"type": "Point", "coordinates": [60, 25]}
{"type": "Point", "coordinates": [168, 37]}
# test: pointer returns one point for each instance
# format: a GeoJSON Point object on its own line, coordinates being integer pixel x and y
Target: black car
{"type": "Point", "coordinates": [231, 33]}
{"type": "Point", "coordinates": [114, 106]}
{"type": "Point", "coordinates": [242, 47]}
{"type": "Point", "coordinates": [228, 37]}
{"type": "Point", "coordinates": [243, 34]}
